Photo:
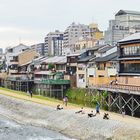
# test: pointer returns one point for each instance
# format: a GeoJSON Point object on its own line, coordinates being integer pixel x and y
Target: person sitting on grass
{"type": "Point", "coordinates": [91, 114]}
{"type": "Point", "coordinates": [58, 107]}
{"type": "Point", "coordinates": [106, 116]}
{"type": "Point", "coordinates": [81, 111]}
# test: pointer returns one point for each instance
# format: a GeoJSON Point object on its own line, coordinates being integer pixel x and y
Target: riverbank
{"type": "Point", "coordinates": [66, 121]}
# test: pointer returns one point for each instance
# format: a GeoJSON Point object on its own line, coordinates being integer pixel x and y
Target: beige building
{"type": "Point", "coordinates": [84, 43]}
{"type": "Point", "coordinates": [18, 65]}
{"type": "Point", "coordinates": [95, 33]}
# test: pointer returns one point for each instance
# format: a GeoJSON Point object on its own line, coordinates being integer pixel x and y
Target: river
{"type": "Point", "coordinates": [10, 130]}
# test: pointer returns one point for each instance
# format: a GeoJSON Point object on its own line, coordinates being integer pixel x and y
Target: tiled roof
{"type": "Point", "coordinates": [127, 12]}
{"type": "Point", "coordinates": [87, 58]}
{"type": "Point", "coordinates": [105, 48]}
{"type": "Point", "coordinates": [111, 57]}
{"type": "Point", "coordinates": [135, 36]}
{"type": "Point", "coordinates": [56, 59]}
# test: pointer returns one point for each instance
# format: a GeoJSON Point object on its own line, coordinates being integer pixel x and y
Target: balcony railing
{"type": "Point", "coordinates": [14, 60]}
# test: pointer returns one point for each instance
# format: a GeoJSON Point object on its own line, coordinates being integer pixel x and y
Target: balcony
{"type": "Point", "coordinates": [13, 71]}
{"type": "Point", "coordinates": [133, 81]}
{"type": "Point", "coordinates": [14, 61]}
{"type": "Point", "coordinates": [100, 80]}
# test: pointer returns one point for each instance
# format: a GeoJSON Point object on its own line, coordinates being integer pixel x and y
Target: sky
{"type": "Point", "coordinates": [28, 21]}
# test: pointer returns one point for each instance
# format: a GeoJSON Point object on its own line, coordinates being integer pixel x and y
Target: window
{"type": "Point", "coordinates": [130, 68]}
{"type": "Point", "coordinates": [130, 50]}
{"type": "Point", "coordinates": [81, 78]}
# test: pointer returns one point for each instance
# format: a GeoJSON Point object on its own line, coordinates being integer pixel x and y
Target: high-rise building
{"type": "Point", "coordinates": [73, 33]}
{"type": "Point", "coordinates": [125, 23]}
{"type": "Point", "coordinates": [53, 43]}
{"type": "Point", "coordinates": [39, 48]}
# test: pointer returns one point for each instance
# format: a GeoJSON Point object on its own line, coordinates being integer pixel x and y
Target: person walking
{"type": "Point", "coordinates": [97, 108]}
{"type": "Point", "coordinates": [31, 94]}
{"type": "Point", "coordinates": [65, 100]}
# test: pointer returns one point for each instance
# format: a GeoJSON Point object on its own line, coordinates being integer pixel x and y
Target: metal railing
{"type": "Point", "coordinates": [117, 87]}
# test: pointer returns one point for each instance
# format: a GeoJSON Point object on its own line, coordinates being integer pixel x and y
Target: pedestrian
{"type": "Point", "coordinates": [123, 111]}
{"type": "Point", "coordinates": [65, 100]}
{"type": "Point", "coordinates": [97, 108]}
{"type": "Point", "coordinates": [31, 94]}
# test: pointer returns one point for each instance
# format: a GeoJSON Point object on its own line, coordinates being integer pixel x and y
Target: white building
{"type": "Point", "coordinates": [73, 33]}
{"type": "Point", "coordinates": [125, 23]}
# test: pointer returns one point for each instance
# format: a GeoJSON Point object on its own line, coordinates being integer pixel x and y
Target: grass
{"type": "Point", "coordinates": [36, 96]}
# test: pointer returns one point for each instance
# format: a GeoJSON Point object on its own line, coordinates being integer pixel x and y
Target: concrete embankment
{"type": "Point", "coordinates": [77, 126]}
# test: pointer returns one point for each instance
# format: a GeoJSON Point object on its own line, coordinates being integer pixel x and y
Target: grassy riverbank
{"type": "Point", "coordinates": [40, 97]}
{"type": "Point", "coordinates": [26, 110]}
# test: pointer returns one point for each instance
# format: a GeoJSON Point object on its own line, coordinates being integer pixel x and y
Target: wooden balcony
{"type": "Point", "coordinates": [133, 81]}
{"type": "Point", "coordinates": [100, 80]}
{"type": "Point", "coordinates": [118, 89]}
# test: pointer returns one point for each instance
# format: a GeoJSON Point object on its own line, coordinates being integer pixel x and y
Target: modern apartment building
{"type": "Point", "coordinates": [125, 23]}
{"type": "Point", "coordinates": [73, 33]}
{"type": "Point", "coordinates": [39, 48]}
{"type": "Point", "coordinates": [53, 43]}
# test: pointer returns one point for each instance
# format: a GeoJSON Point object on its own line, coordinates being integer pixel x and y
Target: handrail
{"type": "Point", "coordinates": [119, 87]}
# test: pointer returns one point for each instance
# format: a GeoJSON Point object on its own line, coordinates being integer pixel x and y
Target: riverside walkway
{"type": "Point", "coordinates": [54, 103]}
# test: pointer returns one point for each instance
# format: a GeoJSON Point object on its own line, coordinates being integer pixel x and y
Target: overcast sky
{"type": "Point", "coordinates": [28, 21]}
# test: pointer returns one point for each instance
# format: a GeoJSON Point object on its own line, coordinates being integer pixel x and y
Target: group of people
{"type": "Point", "coordinates": [81, 111]}
{"type": "Point", "coordinates": [91, 114]}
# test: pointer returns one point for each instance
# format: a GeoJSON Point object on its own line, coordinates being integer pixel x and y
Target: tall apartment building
{"type": "Point", "coordinates": [53, 43]}
{"type": "Point", "coordinates": [125, 23]}
{"type": "Point", "coordinates": [73, 33]}
{"type": "Point", "coordinates": [39, 48]}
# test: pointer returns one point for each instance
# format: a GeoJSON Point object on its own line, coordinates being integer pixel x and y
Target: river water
{"type": "Point", "coordinates": [10, 130]}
